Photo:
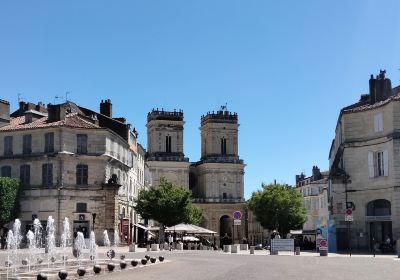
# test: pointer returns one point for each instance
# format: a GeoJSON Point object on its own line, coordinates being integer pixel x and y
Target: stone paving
{"type": "Point", "coordinates": [242, 265]}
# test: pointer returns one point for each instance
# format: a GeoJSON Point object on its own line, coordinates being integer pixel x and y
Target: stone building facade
{"type": "Point", "coordinates": [72, 162]}
{"type": "Point", "coordinates": [216, 180]}
{"type": "Point", "coordinates": [314, 190]}
{"type": "Point", "coordinates": [365, 168]}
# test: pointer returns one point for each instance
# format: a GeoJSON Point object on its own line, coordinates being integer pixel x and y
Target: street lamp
{"type": "Point", "coordinates": [94, 220]}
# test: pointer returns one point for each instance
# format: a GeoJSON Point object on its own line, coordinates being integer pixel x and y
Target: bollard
{"type": "Point", "coordinates": [323, 252]}
{"type": "Point", "coordinates": [234, 249]}
{"type": "Point", "coordinates": [252, 250]}
{"type": "Point", "coordinates": [297, 251]}
{"type": "Point", "coordinates": [179, 246]}
{"type": "Point", "coordinates": [148, 247]}
{"type": "Point", "coordinates": [227, 248]}
{"type": "Point", "coordinates": [154, 247]}
{"type": "Point", "coordinates": [132, 247]}
{"type": "Point", "coordinates": [244, 247]}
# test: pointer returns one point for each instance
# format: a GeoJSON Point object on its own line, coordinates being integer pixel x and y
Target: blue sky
{"type": "Point", "coordinates": [286, 67]}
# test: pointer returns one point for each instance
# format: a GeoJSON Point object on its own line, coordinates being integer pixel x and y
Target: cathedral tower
{"type": "Point", "coordinates": [165, 155]}
{"type": "Point", "coordinates": [220, 170]}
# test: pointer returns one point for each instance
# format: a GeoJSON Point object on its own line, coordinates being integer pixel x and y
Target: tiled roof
{"type": "Point", "coordinates": [71, 120]}
{"type": "Point", "coordinates": [364, 106]}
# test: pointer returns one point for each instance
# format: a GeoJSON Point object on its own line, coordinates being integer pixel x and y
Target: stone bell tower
{"type": "Point", "coordinates": [220, 171]}
{"type": "Point", "coordinates": [165, 156]}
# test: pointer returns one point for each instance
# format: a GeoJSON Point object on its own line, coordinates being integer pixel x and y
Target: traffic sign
{"type": "Point", "coordinates": [237, 222]}
{"type": "Point", "coordinates": [237, 215]}
{"type": "Point", "coordinates": [349, 215]}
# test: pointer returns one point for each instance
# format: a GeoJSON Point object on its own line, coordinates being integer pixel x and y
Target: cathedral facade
{"type": "Point", "coordinates": [216, 180]}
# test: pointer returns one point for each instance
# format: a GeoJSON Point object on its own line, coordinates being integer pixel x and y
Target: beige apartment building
{"type": "Point", "coordinates": [73, 162]}
{"type": "Point", "coordinates": [314, 190]}
{"type": "Point", "coordinates": [216, 180]}
{"type": "Point", "coordinates": [365, 168]}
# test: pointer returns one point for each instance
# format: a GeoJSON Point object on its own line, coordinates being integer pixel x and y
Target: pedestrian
{"type": "Point", "coordinates": [170, 241]}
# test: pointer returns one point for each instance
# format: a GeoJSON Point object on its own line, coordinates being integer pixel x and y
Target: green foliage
{"type": "Point", "coordinates": [9, 199]}
{"type": "Point", "coordinates": [195, 215]}
{"type": "Point", "coordinates": [278, 207]}
{"type": "Point", "coordinates": [168, 204]}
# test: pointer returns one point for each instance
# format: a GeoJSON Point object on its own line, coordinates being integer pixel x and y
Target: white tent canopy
{"type": "Point", "coordinates": [188, 228]}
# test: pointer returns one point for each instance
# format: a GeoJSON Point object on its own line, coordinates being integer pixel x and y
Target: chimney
{"type": "Point", "coordinates": [106, 108]}
{"type": "Point", "coordinates": [380, 88]}
{"type": "Point", "coordinates": [56, 112]}
{"type": "Point", "coordinates": [316, 174]}
{"type": "Point", "coordinates": [4, 113]}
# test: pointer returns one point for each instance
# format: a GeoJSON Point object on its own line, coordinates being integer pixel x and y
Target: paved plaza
{"type": "Point", "coordinates": [193, 265]}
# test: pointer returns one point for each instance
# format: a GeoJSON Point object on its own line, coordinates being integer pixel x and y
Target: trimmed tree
{"type": "Point", "coordinates": [9, 200]}
{"type": "Point", "coordinates": [169, 204]}
{"type": "Point", "coordinates": [278, 207]}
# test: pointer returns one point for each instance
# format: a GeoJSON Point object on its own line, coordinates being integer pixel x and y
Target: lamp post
{"type": "Point", "coordinates": [93, 220]}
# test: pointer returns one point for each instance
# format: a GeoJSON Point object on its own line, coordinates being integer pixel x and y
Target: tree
{"type": "Point", "coordinates": [167, 203]}
{"type": "Point", "coordinates": [278, 207]}
{"type": "Point", "coordinates": [9, 200]}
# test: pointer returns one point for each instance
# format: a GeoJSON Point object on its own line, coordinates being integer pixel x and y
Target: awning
{"type": "Point", "coordinates": [141, 226]}
{"type": "Point", "coordinates": [188, 228]}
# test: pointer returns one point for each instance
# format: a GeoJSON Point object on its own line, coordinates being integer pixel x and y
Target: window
{"type": "Point", "coordinates": [378, 164]}
{"type": "Point", "coordinates": [223, 146]}
{"type": "Point", "coordinates": [81, 174]}
{"type": "Point", "coordinates": [168, 144]}
{"type": "Point", "coordinates": [224, 196]}
{"type": "Point", "coordinates": [8, 146]}
{"type": "Point", "coordinates": [6, 171]}
{"type": "Point", "coordinates": [81, 207]}
{"type": "Point", "coordinates": [27, 144]}
{"type": "Point", "coordinates": [25, 175]}
{"type": "Point", "coordinates": [49, 142]}
{"type": "Point", "coordinates": [81, 143]}
{"type": "Point", "coordinates": [47, 174]}
{"type": "Point", "coordinates": [378, 122]}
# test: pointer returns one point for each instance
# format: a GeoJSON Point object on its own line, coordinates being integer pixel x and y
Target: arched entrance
{"type": "Point", "coordinates": [379, 222]}
{"type": "Point", "coordinates": [225, 230]}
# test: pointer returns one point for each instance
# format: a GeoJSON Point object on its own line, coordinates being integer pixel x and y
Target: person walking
{"type": "Point", "coordinates": [170, 241]}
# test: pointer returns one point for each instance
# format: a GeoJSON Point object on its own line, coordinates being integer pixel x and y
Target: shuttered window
{"type": "Point", "coordinates": [27, 144]}
{"type": "Point", "coordinates": [25, 175]}
{"type": "Point", "coordinates": [47, 175]}
{"type": "Point", "coordinates": [378, 164]}
{"type": "Point", "coordinates": [8, 145]}
{"type": "Point", "coordinates": [49, 142]}
{"type": "Point", "coordinates": [6, 171]}
{"type": "Point", "coordinates": [81, 174]}
{"type": "Point", "coordinates": [81, 140]}
{"type": "Point", "coordinates": [378, 122]}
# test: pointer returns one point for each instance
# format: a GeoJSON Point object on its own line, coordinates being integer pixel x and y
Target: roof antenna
{"type": "Point", "coordinates": [66, 96]}
{"type": "Point", "coordinates": [58, 97]}
{"type": "Point", "coordinates": [19, 97]}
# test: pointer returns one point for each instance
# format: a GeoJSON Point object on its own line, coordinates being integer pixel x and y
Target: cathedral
{"type": "Point", "coordinates": [216, 180]}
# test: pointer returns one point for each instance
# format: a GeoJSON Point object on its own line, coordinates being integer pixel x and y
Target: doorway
{"type": "Point", "coordinates": [225, 230]}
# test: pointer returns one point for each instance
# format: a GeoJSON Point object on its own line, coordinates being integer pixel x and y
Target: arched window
{"type": "Point", "coordinates": [379, 207]}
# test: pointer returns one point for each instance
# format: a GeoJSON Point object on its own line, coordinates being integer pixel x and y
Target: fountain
{"type": "Point", "coordinates": [79, 246]}
{"type": "Point", "coordinates": [30, 236]}
{"type": "Point", "coordinates": [51, 240]}
{"type": "Point", "coordinates": [65, 240]}
{"type": "Point", "coordinates": [117, 240]}
{"type": "Point", "coordinates": [10, 250]}
{"type": "Point", "coordinates": [106, 240]}
{"type": "Point", "coordinates": [37, 232]}
{"type": "Point", "coordinates": [93, 247]}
